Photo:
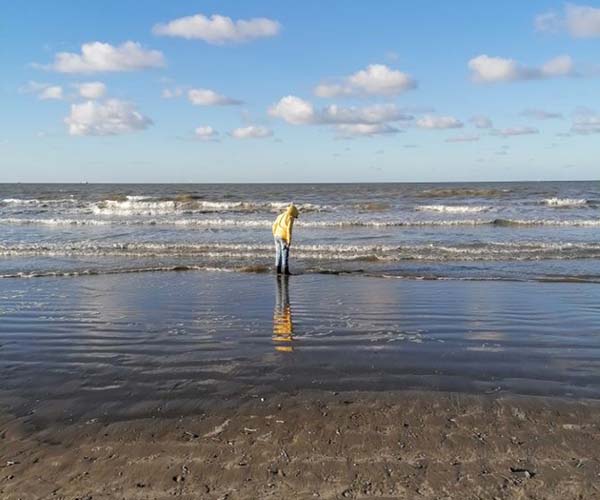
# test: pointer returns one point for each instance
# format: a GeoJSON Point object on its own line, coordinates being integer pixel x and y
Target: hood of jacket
{"type": "Point", "coordinates": [292, 211]}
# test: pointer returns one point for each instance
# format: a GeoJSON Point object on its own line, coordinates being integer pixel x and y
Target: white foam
{"type": "Point", "coordinates": [254, 253]}
{"type": "Point", "coordinates": [133, 207]}
{"type": "Point", "coordinates": [453, 209]}
{"type": "Point", "coordinates": [36, 202]}
{"type": "Point", "coordinates": [324, 224]}
{"type": "Point", "coordinates": [565, 202]}
{"type": "Point", "coordinates": [137, 198]}
{"type": "Point", "coordinates": [145, 206]}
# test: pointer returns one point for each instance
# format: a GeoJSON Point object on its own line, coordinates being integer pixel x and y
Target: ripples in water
{"type": "Point", "coordinates": [127, 344]}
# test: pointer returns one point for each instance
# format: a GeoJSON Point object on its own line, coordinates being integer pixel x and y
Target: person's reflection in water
{"type": "Point", "coordinates": [283, 328]}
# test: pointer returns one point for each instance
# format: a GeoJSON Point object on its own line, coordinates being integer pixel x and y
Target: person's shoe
{"type": "Point", "coordinates": [278, 269]}
{"type": "Point", "coordinates": [286, 271]}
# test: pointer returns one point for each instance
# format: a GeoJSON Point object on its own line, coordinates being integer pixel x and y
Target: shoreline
{"type": "Point", "coordinates": [314, 444]}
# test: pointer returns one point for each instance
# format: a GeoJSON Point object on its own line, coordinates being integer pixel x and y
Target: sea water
{"type": "Point", "coordinates": [499, 231]}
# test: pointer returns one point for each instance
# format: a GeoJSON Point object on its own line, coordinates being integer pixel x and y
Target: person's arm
{"type": "Point", "coordinates": [289, 230]}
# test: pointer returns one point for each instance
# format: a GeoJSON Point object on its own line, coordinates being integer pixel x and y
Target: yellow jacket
{"type": "Point", "coordinates": [282, 227]}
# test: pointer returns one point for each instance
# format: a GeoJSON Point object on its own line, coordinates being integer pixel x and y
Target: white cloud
{"type": "Point", "coordinates": [540, 114]}
{"type": "Point", "coordinates": [509, 132]}
{"type": "Point", "coordinates": [481, 121]}
{"type": "Point", "coordinates": [438, 122]}
{"type": "Point", "coordinates": [293, 110]}
{"type": "Point", "coordinates": [347, 130]}
{"type": "Point", "coordinates": [548, 22]}
{"type": "Point", "coordinates": [111, 117]}
{"type": "Point", "coordinates": [369, 115]}
{"type": "Point", "coordinates": [328, 90]}
{"type": "Point", "coordinates": [583, 21]}
{"type": "Point", "coordinates": [559, 66]}
{"type": "Point", "coordinates": [463, 138]}
{"type": "Point", "coordinates": [52, 92]}
{"type": "Point", "coordinates": [297, 111]}
{"type": "Point", "coordinates": [206, 133]}
{"type": "Point", "coordinates": [251, 132]}
{"type": "Point", "coordinates": [580, 21]}
{"type": "Point", "coordinates": [493, 69]}
{"type": "Point", "coordinates": [486, 69]}
{"type": "Point", "coordinates": [32, 87]}
{"type": "Point", "coordinates": [347, 121]}
{"type": "Point", "coordinates": [100, 57]}
{"type": "Point", "coordinates": [172, 93]}
{"type": "Point", "coordinates": [375, 79]}
{"type": "Point", "coordinates": [43, 91]}
{"type": "Point", "coordinates": [585, 121]}
{"type": "Point", "coordinates": [218, 29]}
{"type": "Point", "coordinates": [207, 97]}
{"type": "Point", "coordinates": [91, 90]}
{"type": "Point", "coordinates": [380, 79]}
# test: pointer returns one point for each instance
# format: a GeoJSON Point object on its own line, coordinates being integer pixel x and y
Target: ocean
{"type": "Point", "coordinates": [532, 231]}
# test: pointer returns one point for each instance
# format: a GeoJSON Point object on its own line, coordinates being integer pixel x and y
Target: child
{"type": "Point", "coordinates": [282, 232]}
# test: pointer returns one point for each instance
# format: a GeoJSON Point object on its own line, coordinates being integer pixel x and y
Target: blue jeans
{"type": "Point", "coordinates": [282, 253]}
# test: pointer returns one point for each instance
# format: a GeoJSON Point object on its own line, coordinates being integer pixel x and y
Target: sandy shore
{"type": "Point", "coordinates": [236, 386]}
{"type": "Point", "coordinates": [316, 445]}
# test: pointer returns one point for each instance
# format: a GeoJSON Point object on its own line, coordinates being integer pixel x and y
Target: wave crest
{"type": "Point", "coordinates": [566, 202]}
{"type": "Point", "coordinates": [453, 209]}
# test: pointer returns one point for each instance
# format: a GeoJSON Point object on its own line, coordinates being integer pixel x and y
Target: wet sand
{"type": "Point", "coordinates": [212, 385]}
{"type": "Point", "coordinates": [317, 445]}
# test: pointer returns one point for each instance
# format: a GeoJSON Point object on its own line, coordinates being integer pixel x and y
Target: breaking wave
{"type": "Point", "coordinates": [453, 209]}
{"type": "Point", "coordinates": [129, 205]}
{"type": "Point", "coordinates": [137, 206]}
{"type": "Point", "coordinates": [255, 252]}
{"type": "Point", "coordinates": [34, 202]}
{"type": "Point", "coordinates": [566, 202]}
{"type": "Point", "coordinates": [266, 223]}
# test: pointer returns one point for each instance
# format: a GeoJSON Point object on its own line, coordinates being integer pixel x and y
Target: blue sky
{"type": "Point", "coordinates": [306, 91]}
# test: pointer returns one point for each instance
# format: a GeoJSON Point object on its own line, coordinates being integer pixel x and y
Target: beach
{"type": "Point", "coordinates": [316, 445]}
{"type": "Point", "coordinates": [244, 385]}
{"type": "Point", "coordinates": [434, 341]}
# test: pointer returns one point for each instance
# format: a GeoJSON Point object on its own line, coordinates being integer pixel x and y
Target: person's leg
{"type": "Point", "coordinates": [285, 258]}
{"type": "Point", "coordinates": [278, 254]}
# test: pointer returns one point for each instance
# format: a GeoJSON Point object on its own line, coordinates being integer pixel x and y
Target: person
{"type": "Point", "coordinates": [282, 232]}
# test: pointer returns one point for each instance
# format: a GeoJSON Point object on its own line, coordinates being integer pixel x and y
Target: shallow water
{"type": "Point", "coordinates": [117, 346]}
{"type": "Point", "coordinates": [508, 231]}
